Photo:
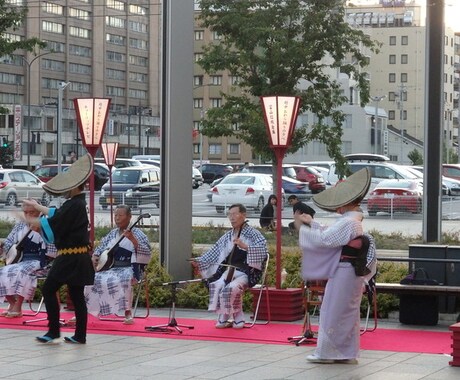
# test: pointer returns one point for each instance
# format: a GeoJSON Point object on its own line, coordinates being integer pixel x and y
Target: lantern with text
{"type": "Point", "coordinates": [110, 151]}
{"type": "Point", "coordinates": [91, 118]}
{"type": "Point", "coordinates": [280, 114]}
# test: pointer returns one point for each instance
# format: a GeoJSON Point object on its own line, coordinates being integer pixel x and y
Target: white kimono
{"type": "Point", "coordinates": [339, 329]}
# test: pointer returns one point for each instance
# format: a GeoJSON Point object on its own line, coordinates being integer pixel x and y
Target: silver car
{"type": "Point", "coordinates": [18, 184]}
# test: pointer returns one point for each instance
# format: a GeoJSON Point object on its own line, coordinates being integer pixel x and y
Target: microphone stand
{"type": "Point", "coordinates": [172, 324]}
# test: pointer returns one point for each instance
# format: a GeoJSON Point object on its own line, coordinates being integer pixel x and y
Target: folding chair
{"type": "Point", "coordinates": [261, 286]}
{"type": "Point", "coordinates": [142, 284]}
{"type": "Point", "coordinates": [314, 292]}
{"type": "Point", "coordinates": [370, 291]}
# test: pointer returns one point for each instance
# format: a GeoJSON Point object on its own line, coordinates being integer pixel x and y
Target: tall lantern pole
{"type": "Point", "coordinates": [280, 114]}
{"type": "Point", "coordinates": [110, 151]}
{"type": "Point", "coordinates": [91, 118]}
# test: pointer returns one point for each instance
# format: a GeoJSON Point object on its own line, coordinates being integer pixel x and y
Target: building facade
{"type": "Point", "coordinates": [102, 48]}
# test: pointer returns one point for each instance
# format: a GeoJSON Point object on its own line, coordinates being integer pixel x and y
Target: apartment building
{"type": "Point", "coordinates": [101, 48]}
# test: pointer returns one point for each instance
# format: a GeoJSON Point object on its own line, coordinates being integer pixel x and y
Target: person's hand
{"type": "Point", "coordinates": [95, 260]}
{"type": "Point", "coordinates": [128, 234]}
{"type": "Point", "coordinates": [300, 219]}
{"type": "Point", "coordinates": [241, 244]}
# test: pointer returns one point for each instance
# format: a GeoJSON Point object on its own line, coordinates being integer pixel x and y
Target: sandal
{"type": "Point", "coordinates": [128, 321]}
{"type": "Point", "coordinates": [14, 314]}
{"type": "Point", "coordinates": [72, 340]}
{"type": "Point", "coordinates": [4, 313]}
{"type": "Point", "coordinates": [47, 339]}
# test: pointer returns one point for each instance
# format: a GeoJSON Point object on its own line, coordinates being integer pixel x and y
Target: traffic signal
{"type": "Point", "coordinates": [4, 142]}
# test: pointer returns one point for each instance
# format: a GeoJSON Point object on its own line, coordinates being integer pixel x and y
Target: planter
{"type": "Point", "coordinates": [285, 305]}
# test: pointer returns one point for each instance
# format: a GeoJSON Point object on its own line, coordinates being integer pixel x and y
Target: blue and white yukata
{"type": "Point", "coordinates": [21, 278]}
{"type": "Point", "coordinates": [339, 325]}
{"type": "Point", "coordinates": [112, 289]}
{"type": "Point", "coordinates": [227, 298]}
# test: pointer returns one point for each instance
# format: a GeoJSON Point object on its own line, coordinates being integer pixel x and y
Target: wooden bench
{"type": "Point", "coordinates": [440, 290]}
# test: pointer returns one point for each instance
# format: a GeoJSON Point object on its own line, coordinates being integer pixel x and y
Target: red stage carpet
{"type": "Point", "coordinates": [274, 333]}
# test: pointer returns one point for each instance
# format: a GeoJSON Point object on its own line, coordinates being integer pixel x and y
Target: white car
{"type": "Point", "coordinates": [250, 189]}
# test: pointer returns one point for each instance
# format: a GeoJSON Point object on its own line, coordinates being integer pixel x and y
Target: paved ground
{"type": "Point", "coordinates": [115, 357]}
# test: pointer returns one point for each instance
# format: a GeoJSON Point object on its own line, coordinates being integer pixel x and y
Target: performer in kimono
{"type": "Point", "coordinates": [112, 289]}
{"type": "Point", "coordinates": [339, 329]}
{"type": "Point", "coordinates": [68, 227]}
{"type": "Point", "coordinates": [18, 281]}
{"type": "Point", "coordinates": [233, 264]}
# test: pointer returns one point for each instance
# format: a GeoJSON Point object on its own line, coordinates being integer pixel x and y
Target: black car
{"type": "Point", "coordinates": [211, 172]}
{"type": "Point", "coordinates": [132, 186]}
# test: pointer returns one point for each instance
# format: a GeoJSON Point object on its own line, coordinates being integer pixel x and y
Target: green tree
{"type": "Point", "coordinates": [11, 17]}
{"type": "Point", "coordinates": [286, 47]}
{"type": "Point", "coordinates": [416, 157]}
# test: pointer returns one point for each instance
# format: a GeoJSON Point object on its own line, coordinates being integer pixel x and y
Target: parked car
{"type": "Point", "coordinates": [292, 186]}
{"type": "Point", "coordinates": [197, 178]}
{"type": "Point", "coordinates": [250, 189]}
{"type": "Point", "coordinates": [394, 195]}
{"type": "Point", "coordinates": [133, 186]}
{"type": "Point", "coordinates": [46, 172]}
{"type": "Point", "coordinates": [101, 173]}
{"type": "Point", "coordinates": [211, 171]}
{"type": "Point", "coordinates": [310, 175]}
{"type": "Point", "coordinates": [288, 170]}
{"type": "Point", "coordinates": [451, 171]}
{"type": "Point", "coordinates": [18, 184]}
{"type": "Point", "coordinates": [449, 186]}
{"type": "Point", "coordinates": [120, 162]}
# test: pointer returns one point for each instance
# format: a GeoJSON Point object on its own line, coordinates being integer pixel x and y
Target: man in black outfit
{"type": "Point", "coordinates": [297, 205]}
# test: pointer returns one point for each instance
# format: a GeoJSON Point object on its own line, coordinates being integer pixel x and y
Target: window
{"type": "Point", "coordinates": [233, 148]}
{"type": "Point", "coordinates": [198, 80]}
{"type": "Point", "coordinates": [196, 125]}
{"type": "Point", "coordinates": [77, 68]}
{"type": "Point", "coordinates": [137, 10]}
{"type": "Point", "coordinates": [115, 91]}
{"type": "Point", "coordinates": [392, 77]}
{"type": "Point", "coordinates": [234, 80]}
{"type": "Point", "coordinates": [79, 32]}
{"type": "Point", "coordinates": [216, 80]}
{"type": "Point", "coordinates": [54, 46]}
{"type": "Point", "coordinates": [115, 74]}
{"type": "Point", "coordinates": [137, 94]}
{"type": "Point", "coordinates": [215, 149]}
{"type": "Point", "coordinates": [216, 102]}
{"type": "Point", "coordinates": [391, 115]}
{"type": "Point", "coordinates": [404, 59]}
{"type": "Point", "coordinates": [52, 27]}
{"type": "Point", "coordinates": [115, 4]}
{"type": "Point", "coordinates": [403, 115]}
{"type": "Point", "coordinates": [392, 59]}
{"type": "Point", "coordinates": [138, 60]}
{"type": "Point", "coordinates": [391, 97]}
{"type": "Point", "coordinates": [138, 77]}
{"type": "Point", "coordinates": [113, 56]}
{"type": "Point", "coordinates": [82, 51]}
{"type": "Point", "coordinates": [138, 27]}
{"type": "Point", "coordinates": [138, 44]}
{"type": "Point", "coordinates": [79, 13]}
{"type": "Point", "coordinates": [404, 40]}
{"type": "Point", "coordinates": [216, 36]}
{"type": "Point", "coordinates": [196, 148]}
{"type": "Point", "coordinates": [115, 39]}
{"type": "Point", "coordinates": [11, 78]}
{"type": "Point", "coordinates": [10, 37]}
{"type": "Point", "coordinates": [50, 64]}
{"type": "Point", "coordinates": [403, 77]}
{"type": "Point", "coordinates": [199, 35]}
{"type": "Point", "coordinates": [198, 57]}
{"type": "Point", "coordinates": [80, 87]}
{"type": "Point", "coordinates": [392, 40]}
{"type": "Point", "coordinates": [52, 8]}
{"type": "Point", "coordinates": [235, 126]}
{"type": "Point", "coordinates": [115, 22]}
{"type": "Point", "coordinates": [198, 103]}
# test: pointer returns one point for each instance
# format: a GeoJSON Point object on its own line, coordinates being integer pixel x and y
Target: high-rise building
{"type": "Point", "coordinates": [95, 49]}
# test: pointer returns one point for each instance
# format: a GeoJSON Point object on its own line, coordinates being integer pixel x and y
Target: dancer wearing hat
{"type": "Point", "coordinates": [68, 228]}
{"type": "Point", "coordinates": [323, 259]}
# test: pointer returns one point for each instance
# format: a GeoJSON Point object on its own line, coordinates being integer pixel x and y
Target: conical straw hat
{"type": "Point", "coordinates": [351, 190]}
{"type": "Point", "coordinates": [77, 174]}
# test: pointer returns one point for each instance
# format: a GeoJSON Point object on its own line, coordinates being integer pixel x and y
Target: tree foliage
{"type": "Point", "coordinates": [11, 17]}
{"type": "Point", "coordinates": [288, 47]}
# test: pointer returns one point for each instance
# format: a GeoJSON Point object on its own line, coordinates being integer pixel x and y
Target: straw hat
{"type": "Point", "coordinates": [352, 190]}
{"type": "Point", "coordinates": [77, 174]}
